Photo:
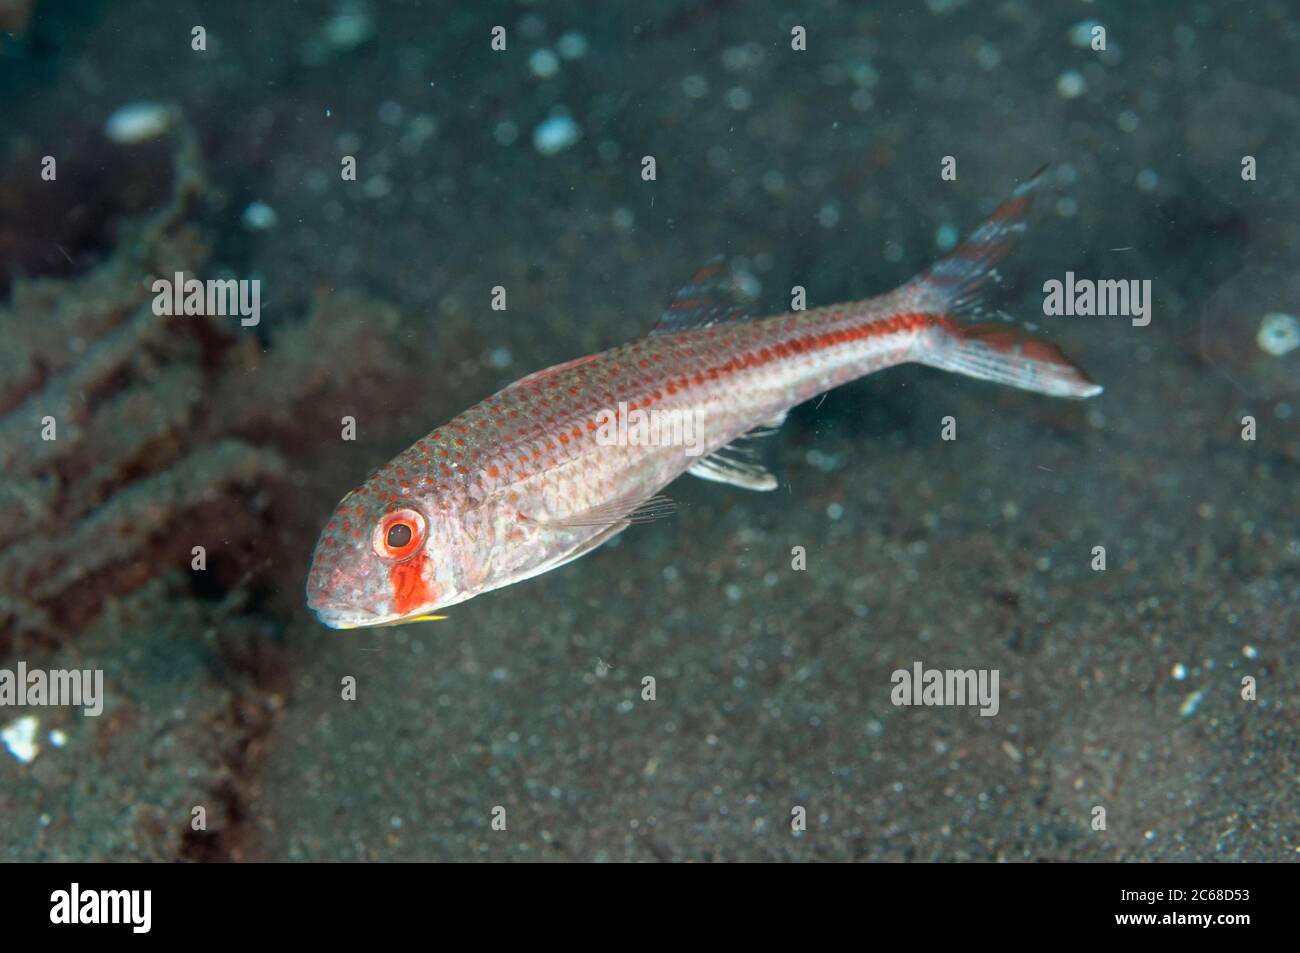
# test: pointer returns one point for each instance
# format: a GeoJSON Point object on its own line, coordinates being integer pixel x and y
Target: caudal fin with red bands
{"type": "Point", "coordinates": [994, 352]}
{"type": "Point", "coordinates": [1006, 355]}
{"type": "Point", "coordinates": [954, 283]}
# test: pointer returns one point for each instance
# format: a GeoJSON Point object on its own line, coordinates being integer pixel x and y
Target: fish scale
{"type": "Point", "coordinates": [521, 482]}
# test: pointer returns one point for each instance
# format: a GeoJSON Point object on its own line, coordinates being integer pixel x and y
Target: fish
{"type": "Point", "coordinates": [548, 469]}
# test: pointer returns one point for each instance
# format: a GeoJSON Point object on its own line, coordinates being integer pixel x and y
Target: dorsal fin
{"type": "Point", "coordinates": [546, 372]}
{"type": "Point", "coordinates": [710, 297]}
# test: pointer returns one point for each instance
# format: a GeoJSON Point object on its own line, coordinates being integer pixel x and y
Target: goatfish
{"type": "Point", "coordinates": [546, 470]}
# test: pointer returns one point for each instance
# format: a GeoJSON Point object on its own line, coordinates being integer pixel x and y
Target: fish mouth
{"type": "Point", "coordinates": [339, 619]}
{"type": "Point", "coordinates": [329, 611]}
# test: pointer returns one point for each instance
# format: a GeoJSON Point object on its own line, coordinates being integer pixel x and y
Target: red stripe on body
{"type": "Point", "coordinates": [762, 355]}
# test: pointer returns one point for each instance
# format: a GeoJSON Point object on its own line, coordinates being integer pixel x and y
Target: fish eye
{"type": "Point", "coordinates": [399, 534]}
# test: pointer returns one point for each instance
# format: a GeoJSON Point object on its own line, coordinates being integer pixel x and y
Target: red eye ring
{"type": "Point", "coordinates": [399, 534]}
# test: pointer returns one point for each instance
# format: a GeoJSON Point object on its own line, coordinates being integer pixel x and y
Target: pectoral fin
{"type": "Point", "coordinates": [621, 512]}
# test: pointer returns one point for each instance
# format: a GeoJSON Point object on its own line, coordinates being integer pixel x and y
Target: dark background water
{"type": "Point", "coordinates": [1120, 689]}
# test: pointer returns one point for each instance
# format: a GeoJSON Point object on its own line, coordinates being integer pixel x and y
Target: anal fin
{"type": "Point", "coordinates": [724, 467]}
{"type": "Point", "coordinates": [768, 427]}
{"type": "Point", "coordinates": [735, 462]}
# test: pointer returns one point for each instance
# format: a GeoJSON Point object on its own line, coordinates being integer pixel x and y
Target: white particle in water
{"type": "Point", "coordinates": [348, 30]}
{"type": "Point", "coordinates": [19, 736]}
{"type": "Point", "coordinates": [1081, 33]}
{"type": "Point", "coordinates": [988, 56]}
{"type": "Point", "coordinates": [377, 186]}
{"type": "Point", "coordinates": [862, 100]}
{"type": "Point", "coordinates": [138, 122]}
{"type": "Point", "coordinates": [739, 98]}
{"type": "Point", "coordinates": [747, 283]}
{"type": "Point", "coordinates": [1191, 703]}
{"type": "Point", "coordinates": [555, 135]}
{"type": "Point", "coordinates": [1071, 84]}
{"type": "Point", "coordinates": [1279, 333]}
{"type": "Point", "coordinates": [259, 216]}
{"type": "Point", "coordinates": [572, 45]}
{"type": "Point", "coordinates": [532, 26]}
{"type": "Point", "coordinates": [506, 133]}
{"type": "Point", "coordinates": [543, 63]}
{"type": "Point", "coordinates": [695, 86]}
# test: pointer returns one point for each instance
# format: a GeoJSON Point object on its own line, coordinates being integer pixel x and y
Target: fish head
{"type": "Point", "coordinates": [382, 560]}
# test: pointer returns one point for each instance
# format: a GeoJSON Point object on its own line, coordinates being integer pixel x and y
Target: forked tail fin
{"type": "Point", "coordinates": [1003, 353]}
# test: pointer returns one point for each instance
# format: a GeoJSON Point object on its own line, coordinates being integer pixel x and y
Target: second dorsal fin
{"type": "Point", "coordinates": [710, 297]}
